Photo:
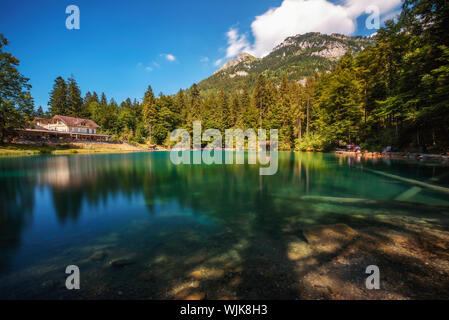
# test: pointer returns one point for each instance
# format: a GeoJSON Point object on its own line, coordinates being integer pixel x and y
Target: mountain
{"type": "Point", "coordinates": [295, 58]}
{"type": "Point", "coordinates": [242, 58]}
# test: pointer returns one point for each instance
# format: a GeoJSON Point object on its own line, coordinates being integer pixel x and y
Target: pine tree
{"type": "Point", "coordinates": [234, 109]}
{"type": "Point", "coordinates": [263, 98]}
{"type": "Point", "coordinates": [94, 98]}
{"type": "Point", "coordinates": [195, 102]}
{"type": "Point", "coordinates": [103, 100]}
{"type": "Point", "coordinates": [149, 110]}
{"type": "Point", "coordinates": [58, 98]}
{"type": "Point", "coordinates": [16, 104]}
{"type": "Point", "coordinates": [39, 112]}
{"type": "Point", "coordinates": [260, 97]}
{"type": "Point", "coordinates": [74, 100]}
{"type": "Point", "coordinates": [181, 104]}
{"type": "Point", "coordinates": [223, 113]}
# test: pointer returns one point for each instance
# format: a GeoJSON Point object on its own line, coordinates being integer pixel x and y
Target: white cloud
{"type": "Point", "coordinates": [218, 62]}
{"type": "Point", "coordinates": [356, 7]}
{"type": "Point", "coordinates": [294, 17]}
{"type": "Point", "coordinates": [236, 43]}
{"type": "Point", "coordinates": [169, 57]}
{"type": "Point", "coordinates": [204, 59]}
{"type": "Point", "coordinates": [141, 65]}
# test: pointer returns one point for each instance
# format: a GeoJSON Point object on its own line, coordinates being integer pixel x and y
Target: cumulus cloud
{"type": "Point", "coordinates": [356, 7]}
{"type": "Point", "coordinates": [236, 43]}
{"type": "Point", "coordinates": [294, 17]}
{"type": "Point", "coordinates": [169, 57]}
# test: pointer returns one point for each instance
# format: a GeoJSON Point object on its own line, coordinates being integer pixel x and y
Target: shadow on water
{"type": "Point", "coordinates": [218, 232]}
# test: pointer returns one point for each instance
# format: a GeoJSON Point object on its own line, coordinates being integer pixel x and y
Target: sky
{"type": "Point", "coordinates": [123, 46]}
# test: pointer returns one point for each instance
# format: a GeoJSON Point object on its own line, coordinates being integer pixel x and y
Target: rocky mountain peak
{"type": "Point", "coordinates": [331, 47]}
{"type": "Point", "coordinates": [241, 57]}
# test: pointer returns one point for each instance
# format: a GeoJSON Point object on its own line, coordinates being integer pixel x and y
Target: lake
{"type": "Point", "coordinates": [139, 227]}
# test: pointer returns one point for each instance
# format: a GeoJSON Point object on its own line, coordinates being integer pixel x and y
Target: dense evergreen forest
{"type": "Point", "coordinates": [393, 93]}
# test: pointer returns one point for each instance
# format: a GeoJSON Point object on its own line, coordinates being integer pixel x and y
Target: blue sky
{"type": "Point", "coordinates": [123, 46]}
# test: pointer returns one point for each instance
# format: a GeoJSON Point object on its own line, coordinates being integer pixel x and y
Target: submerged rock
{"type": "Point", "coordinates": [196, 296]}
{"type": "Point", "coordinates": [329, 237]}
{"type": "Point", "coordinates": [187, 295]}
{"type": "Point", "coordinates": [98, 256]}
{"type": "Point", "coordinates": [206, 273]}
{"type": "Point", "coordinates": [121, 262]}
{"type": "Point", "coordinates": [329, 233]}
{"type": "Point", "coordinates": [298, 250]}
{"type": "Point", "coordinates": [49, 284]}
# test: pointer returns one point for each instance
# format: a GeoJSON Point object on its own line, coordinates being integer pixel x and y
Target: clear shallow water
{"type": "Point", "coordinates": [167, 221]}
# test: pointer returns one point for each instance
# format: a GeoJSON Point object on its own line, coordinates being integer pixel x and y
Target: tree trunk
{"type": "Point", "coordinates": [2, 136]}
{"type": "Point", "coordinates": [397, 128]}
{"type": "Point", "coordinates": [308, 117]}
{"type": "Point", "coordinates": [366, 99]}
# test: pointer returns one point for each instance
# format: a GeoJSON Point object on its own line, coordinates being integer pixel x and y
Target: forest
{"type": "Point", "coordinates": [393, 93]}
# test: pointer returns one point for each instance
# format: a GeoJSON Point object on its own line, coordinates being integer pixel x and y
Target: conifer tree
{"type": "Point", "coordinates": [58, 98]}
{"type": "Point", "coordinates": [74, 100]}
{"type": "Point", "coordinates": [16, 104]}
{"type": "Point", "coordinates": [149, 110]}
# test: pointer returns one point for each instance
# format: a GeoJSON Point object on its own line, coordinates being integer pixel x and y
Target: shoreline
{"type": "Point", "coordinates": [36, 149]}
{"type": "Point", "coordinates": [423, 157]}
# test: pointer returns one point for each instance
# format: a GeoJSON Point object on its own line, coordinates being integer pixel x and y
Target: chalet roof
{"type": "Point", "coordinates": [69, 121]}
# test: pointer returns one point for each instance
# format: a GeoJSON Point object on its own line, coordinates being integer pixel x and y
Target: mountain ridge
{"type": "Point", "coordinates": [296, 58]}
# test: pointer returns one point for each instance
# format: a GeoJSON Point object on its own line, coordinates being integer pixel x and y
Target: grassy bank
{"type": "Point", "coordinates": [11, 149]}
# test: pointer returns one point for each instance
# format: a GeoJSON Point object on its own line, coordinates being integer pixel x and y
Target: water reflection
{"type": "Point", "coordinates": [215, 190]}
{"type": "Point", "coordinates": [308, 189]}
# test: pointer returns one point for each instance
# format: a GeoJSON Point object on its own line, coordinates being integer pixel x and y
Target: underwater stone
{"type": "Point", "coordinates": [97, 256]}
{"type": "Point", "coordinates": [121, 262]}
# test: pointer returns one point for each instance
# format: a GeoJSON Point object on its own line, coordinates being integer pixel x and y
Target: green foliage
{"type": "Point", "coordinates": [58, 98]}
{"type": "Point", "coordinates": [313, 142]}
{"type": "Point", "coordinates": [395, 93]}
{"type": "Point", "coordinates": [16, 104]}
{"type": "Point", "coordinates": [74, 100]}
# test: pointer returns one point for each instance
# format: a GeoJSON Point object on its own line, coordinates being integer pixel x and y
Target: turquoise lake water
{"type": "Point", "coordinates": [163, 221]}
